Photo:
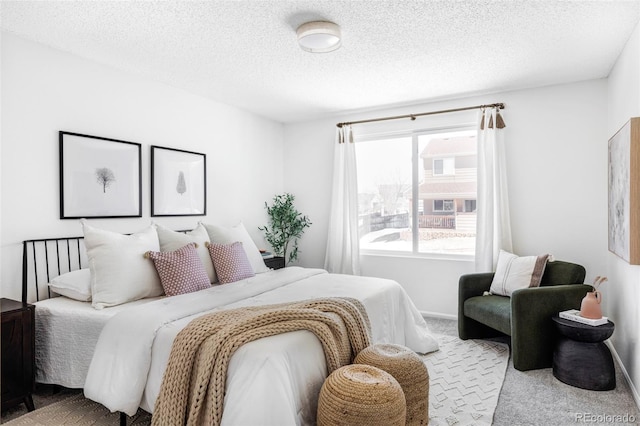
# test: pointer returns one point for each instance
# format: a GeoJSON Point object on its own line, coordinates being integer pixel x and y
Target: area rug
{"type": "Point", "coordinates": [76, 410]}
{"type": "Point", "coordinates": [465, 381]}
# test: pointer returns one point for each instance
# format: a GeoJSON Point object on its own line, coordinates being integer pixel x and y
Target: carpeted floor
{"type": "Point", "coordinates": [525, 398]}
{"type": "Point", "coordinates": [536, 398]}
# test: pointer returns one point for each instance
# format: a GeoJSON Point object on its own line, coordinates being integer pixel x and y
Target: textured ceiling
{"type": "Point", "coordinates": [244, 53]}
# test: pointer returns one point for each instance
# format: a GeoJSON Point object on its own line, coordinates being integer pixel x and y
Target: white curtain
{"type": "Point", "coordinates": [493, 222]}
{"type": "Point", "coordinates": [343, 248]}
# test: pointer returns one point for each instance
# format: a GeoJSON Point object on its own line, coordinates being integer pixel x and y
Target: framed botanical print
{"type": "Point", "coordinates": [178, 182]}
{"type": "Point", "coordinates": [99, 177]}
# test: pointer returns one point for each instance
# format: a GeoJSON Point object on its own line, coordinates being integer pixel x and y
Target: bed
{"type": "Point", "coordinates": [118, 354]}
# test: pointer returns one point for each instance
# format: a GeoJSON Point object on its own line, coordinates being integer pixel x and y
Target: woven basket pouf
{"type": "Point", "coordinates": [409, 370]}
{"type": "Point", "coordinates": [361, 395]}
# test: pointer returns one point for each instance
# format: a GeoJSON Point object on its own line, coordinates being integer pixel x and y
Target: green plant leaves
{"type": "Point", "coordinates": [286, 226]}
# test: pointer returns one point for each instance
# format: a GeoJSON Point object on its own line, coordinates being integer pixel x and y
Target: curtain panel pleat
{"type": "Point", "coordinates": [343, 248]}
{"type": "Point", "coordinates": [493, 220]}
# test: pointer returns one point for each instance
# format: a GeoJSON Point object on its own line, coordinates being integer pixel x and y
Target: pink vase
{"type": "Point", "coordinates": [590, 307]}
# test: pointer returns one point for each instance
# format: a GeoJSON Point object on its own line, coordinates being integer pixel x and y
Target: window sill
{"type": "Point", "coordinates": [423, 256]}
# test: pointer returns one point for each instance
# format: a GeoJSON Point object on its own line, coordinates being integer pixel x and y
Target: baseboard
{"type": "Point", "coordinates": [426, 314]}
{"type": "Point", "coordinates": [634, 391]}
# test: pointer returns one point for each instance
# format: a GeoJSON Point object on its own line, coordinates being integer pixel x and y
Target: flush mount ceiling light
{"type": "Point", "coordinates": [319, 36]}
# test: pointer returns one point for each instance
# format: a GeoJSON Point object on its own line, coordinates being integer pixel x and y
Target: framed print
{"type": "Point", "coordinates": [178, 182]}
{"type": "Point", "coordinates": [624, 192]}
{"type": "Point", "coordinates": [99, 177]}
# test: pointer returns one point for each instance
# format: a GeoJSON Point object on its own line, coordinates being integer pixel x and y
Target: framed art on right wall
{"type": "Point", "coordinates": [624, 192]}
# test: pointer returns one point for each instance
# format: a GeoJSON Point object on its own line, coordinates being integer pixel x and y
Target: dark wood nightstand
{"type": "Point", "coordinates": [18, 353]}
{"type": "Point", "coordinates": [275, 262]}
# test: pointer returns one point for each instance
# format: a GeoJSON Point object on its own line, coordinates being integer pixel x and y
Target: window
{"type": "Point", "coordinates": [442, 205]}
{"type": "Point", "coordinates": [444, 166]}
{"type": "Point", "coordinates": [417, 192]}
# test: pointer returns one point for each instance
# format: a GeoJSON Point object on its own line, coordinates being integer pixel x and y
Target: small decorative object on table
{"type": "Point", "coordinates": [590, 307]}
{"type": "Point", "coordinates": [266, 254]}
{"type": "Point", "coordinates": [574, 315]}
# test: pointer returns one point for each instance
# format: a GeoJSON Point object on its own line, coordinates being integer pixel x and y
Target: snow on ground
{"type": "Point", "coordinates": [432, 241]}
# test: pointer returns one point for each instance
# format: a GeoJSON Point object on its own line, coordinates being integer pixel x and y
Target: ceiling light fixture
{"type": "Point", "coordinates": [319, 36]}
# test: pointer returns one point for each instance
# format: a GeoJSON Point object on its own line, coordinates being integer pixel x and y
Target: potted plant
{"type": "Point", "coordinates": [286, 226]}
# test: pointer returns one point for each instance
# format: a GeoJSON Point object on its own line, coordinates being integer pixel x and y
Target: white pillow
{"type": "Point", "coordinates": [74, 285]}
{"type": "Point", "coordinates": [513, 272]}
{"type": "Point", "coordinates": [172, 241]}
{"type": "Point", "coordinates": [119, 271]}
{"type": "Point", "coordinates": [227, 235]}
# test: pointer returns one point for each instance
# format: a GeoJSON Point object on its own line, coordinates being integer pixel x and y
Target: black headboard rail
{"type": "Point", "coordinates": [45, 259]}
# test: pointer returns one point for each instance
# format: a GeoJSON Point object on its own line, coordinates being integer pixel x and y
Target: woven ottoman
{"type": "Point", "coordinates": [361, 395]}
{"type": "Point", "coordinates": [409, 370]}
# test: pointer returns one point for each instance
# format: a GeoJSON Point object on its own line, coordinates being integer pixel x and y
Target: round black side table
{"type": "Point", "coordinates": [581, 358]}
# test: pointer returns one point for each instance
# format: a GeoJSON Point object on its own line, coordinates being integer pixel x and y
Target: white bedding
{"type": "Point", "coordinates": [272, 381]}
{"type": "Point", "coordinates": [66, 335]}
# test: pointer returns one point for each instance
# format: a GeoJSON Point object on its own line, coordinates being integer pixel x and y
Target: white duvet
{"type": "Point", "coordinates": [271, 381]}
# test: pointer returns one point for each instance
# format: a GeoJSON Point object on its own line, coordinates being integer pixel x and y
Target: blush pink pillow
{"type": "Point", "coordinates": [230, 262]}
{"type": "Point", "coordinates": [181, 271]}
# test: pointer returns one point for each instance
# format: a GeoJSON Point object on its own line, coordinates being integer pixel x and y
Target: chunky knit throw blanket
{"type": "Point", "coordinates": [193, 384]}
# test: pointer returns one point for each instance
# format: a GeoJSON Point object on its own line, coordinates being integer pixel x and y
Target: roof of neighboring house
{"type": "Point", "coordinates": [450, 146]}
{"type": "Point", "coordinates": [439, 190]}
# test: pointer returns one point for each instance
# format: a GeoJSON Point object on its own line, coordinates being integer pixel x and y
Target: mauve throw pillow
{"type": "Point", "coordinates": [181, 271]}
{"type": "Point", "coordinates": [227, 235]}
{"type": "Point", "coordinates": [230, 261]}
{"type": "Point", "coordinates": [172, 240]}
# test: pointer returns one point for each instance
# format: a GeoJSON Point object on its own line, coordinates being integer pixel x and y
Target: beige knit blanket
{"type": "Point", "coordinates": [193, 385]}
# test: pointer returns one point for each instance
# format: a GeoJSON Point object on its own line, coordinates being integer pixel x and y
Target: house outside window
{"type": "Point", "coordinates": [417, 192]}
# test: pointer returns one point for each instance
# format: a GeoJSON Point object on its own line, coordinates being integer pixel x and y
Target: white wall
{"type": "Point", "coordinates": [622, 291]}
{"type": "Point", "coordinates": [556, 151]}
{"type": "Point", "coordinates": [46, 90]}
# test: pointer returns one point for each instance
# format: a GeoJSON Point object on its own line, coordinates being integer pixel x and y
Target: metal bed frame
{"type": "Point", "coordinates": [61, 255]}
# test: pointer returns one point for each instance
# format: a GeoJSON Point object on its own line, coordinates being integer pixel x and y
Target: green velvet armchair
{"type": "Point", "coordinates": [525, 316]}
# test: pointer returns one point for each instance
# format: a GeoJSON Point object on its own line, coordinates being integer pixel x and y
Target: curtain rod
{"type": "Point", "coordinates": [499, 105]}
